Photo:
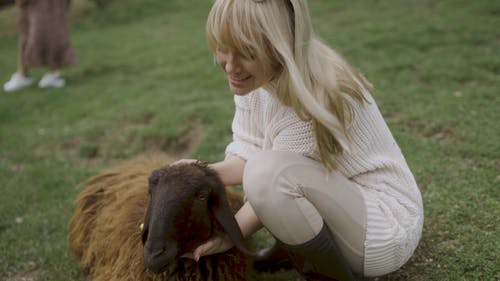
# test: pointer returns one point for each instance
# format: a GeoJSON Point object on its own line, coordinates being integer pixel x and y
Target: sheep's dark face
{"type": "Point", "coordinates": [187, 203]}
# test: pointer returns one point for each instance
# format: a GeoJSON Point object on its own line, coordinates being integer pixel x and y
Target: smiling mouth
{"type": "Point", "coordinates": [239, 79]}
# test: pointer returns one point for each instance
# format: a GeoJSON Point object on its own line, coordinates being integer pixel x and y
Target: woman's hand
{"type": "Point", "coordinates": [184, 161]}
{"type": "Point", "coordinates": [214, 245]}
{"type": "Point", "coordinates": [248, 222]}
{"type": "Point", "coordinates": [230, 170]}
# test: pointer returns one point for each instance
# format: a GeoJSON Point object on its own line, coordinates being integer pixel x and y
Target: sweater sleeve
{"type": "Point", "coordinates": [289, 133]}
{"type": "Point", "coordinates": [247, 136]}
{"type": "Point", "coordinates": [261, 122]}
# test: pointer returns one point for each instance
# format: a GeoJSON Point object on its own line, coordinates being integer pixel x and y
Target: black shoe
{"type": "Point", "coordinates": [272, 259]}
{"type": "Point", "coordinates": [320, 258]}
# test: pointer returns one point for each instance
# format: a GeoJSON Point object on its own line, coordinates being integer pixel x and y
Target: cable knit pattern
{"type": "Point", "coordinates": [374, 161]}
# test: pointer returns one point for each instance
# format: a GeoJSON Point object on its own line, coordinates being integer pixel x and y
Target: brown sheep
{"type": "Point", "coordinates": [106, 238]}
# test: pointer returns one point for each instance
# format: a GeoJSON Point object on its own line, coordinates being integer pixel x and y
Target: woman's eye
{"type": "Point", "coordinates": [223, 50]}
{"type": "Point", "coordinates": [250, 53]}
{"type": "Point", "coordinates": [249, 56]}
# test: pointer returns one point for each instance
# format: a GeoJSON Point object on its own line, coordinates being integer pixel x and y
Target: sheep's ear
{"type": "Point", "coordinates": [224, 215]}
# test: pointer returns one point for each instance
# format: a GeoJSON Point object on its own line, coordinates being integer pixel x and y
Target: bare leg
{"type": "Point", "coordinates": [55, 71]}
{"type": "Point", "coordinates": [21, 69]}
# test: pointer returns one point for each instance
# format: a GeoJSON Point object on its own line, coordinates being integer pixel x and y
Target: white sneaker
{"type": "Point", "coordinates": [51, 80]}
{"type": "Point", "coordinates": [17, 82]}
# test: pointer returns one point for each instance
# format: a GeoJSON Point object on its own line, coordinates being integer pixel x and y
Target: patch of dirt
{"type": "Point", "coordinates": [70, 146]}
{"type": "Point", "coordinates": [439, 134]}
{"type": "Point", "coordinates": [428, 131]}
{"type": "Point", "coordinates": [30, 274]}
{"type": "Point", "coordinates": [179, 147]}
{"type": "Point", "coordinates": [13, 167]}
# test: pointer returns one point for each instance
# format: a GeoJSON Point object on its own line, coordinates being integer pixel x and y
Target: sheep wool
{"type": "Point", "coordinates": [104, 233]}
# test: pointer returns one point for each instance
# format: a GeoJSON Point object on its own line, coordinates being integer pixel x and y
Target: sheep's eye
{"type": "Point", "coordinates": [202, 196]}
{"type": "Point", "coordinates": [154, 178]}
{"type": "Point", "coordinates": [153, 181]}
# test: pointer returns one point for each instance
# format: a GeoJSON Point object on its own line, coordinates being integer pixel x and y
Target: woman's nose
{"type": "Point", "coordinates": [232, 64]}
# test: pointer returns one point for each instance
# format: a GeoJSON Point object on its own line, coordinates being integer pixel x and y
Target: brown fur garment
{"type": "Point", "coordinates": [105, 235]}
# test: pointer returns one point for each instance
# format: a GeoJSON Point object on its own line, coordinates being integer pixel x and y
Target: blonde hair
{"type": "Point", "coordinates": [307, 75]}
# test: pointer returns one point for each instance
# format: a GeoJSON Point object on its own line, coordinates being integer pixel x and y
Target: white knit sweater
{"type": "Point", "coordinates": [374, 161]}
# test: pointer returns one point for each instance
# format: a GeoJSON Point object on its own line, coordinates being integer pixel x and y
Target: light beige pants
{"type": "Point", "coordinates": [292, 195]}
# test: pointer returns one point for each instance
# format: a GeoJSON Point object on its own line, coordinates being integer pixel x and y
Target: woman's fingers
{"type": "Point", "coordinates": [212, 246]}
{"type": "Point", "coordinates": [188, 256]}
{"type": "Point", "coordinates": [204, 249]}
{"type": "Point", "coordinates": [184, 161]}
{"type": "Point", "coordinates": [197, 253]}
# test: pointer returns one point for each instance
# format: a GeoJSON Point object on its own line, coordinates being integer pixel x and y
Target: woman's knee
{"type": "Point", "coordinates": [259, 175]}
{"type": "Point", "coordinates": [254, 175]}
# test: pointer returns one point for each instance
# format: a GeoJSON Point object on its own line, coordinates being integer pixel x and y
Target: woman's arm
{"type": "Point", "coordinates": [248, 222]}
{"type": "Point", "coordinates": [231, 173]}
{"type": "Point", "coordinates": [230, 170]}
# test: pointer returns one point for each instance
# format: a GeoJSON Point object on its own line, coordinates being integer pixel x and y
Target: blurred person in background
{"type": "Point", "coordinates": [43, 42]}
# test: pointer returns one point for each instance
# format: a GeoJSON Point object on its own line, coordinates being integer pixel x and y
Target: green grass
{"type": "Point", "coordinates": [146, 82]}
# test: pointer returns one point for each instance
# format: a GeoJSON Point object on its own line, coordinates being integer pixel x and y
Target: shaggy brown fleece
{"type": "Point", "coordinates": [105, 234]}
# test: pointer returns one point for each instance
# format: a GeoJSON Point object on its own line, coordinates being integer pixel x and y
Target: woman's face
{"type": "Point", "coordinates": [244, 74]}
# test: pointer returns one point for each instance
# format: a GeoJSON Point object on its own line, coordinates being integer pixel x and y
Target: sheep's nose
{"type": "Point", "coordinates": [157, 258]}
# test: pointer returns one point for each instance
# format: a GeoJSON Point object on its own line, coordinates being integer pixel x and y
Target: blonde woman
{"type": "Point", "coordinates": [319, 167]}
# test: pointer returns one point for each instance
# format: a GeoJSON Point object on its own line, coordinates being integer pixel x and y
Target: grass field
{"type": "Point", "coordinates": [146, 83]}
